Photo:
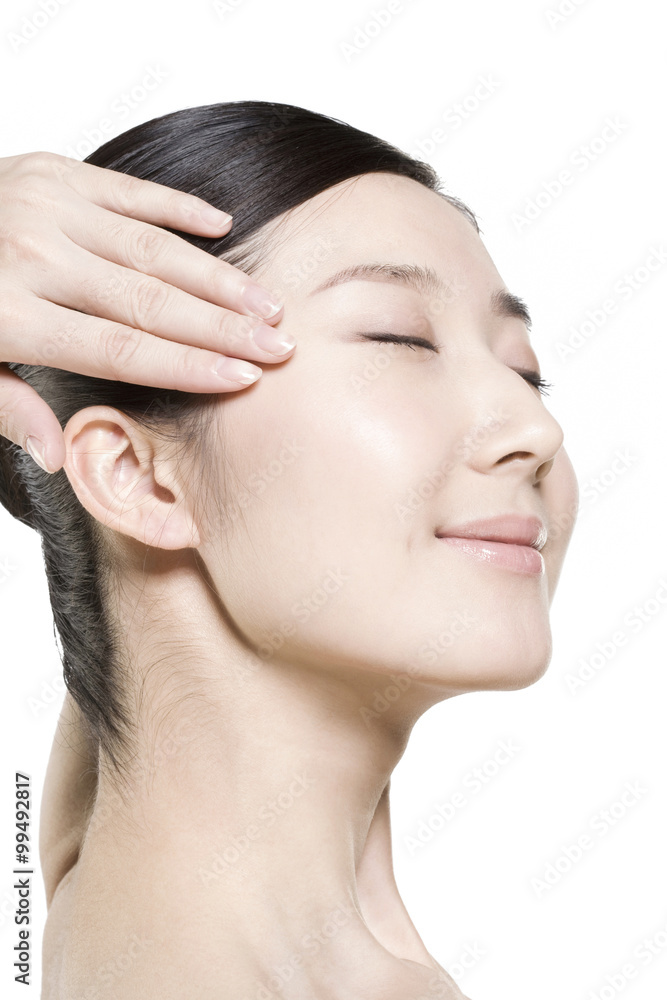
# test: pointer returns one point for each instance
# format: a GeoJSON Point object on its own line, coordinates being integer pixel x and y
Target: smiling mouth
{"type": "Point", "coordinates": [509, 541]}
{"type": "Point", "coordinates": [524, 559]}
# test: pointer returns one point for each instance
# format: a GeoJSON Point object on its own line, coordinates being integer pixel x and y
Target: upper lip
{"type": "Point", "coordinates": [510, 528]}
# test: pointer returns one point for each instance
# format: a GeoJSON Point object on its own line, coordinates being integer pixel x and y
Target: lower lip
{"type": "Point", "coordinates": [518, 558]}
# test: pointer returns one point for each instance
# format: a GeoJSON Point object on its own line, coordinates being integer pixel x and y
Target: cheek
{"type": "Point", "coordinates": [316, 487]}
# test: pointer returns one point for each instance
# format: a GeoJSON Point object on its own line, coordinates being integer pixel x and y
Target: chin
{"type": "Point", "coordinates": [521, 676]}
{"type": "Point", "coordinates": [503, 666]}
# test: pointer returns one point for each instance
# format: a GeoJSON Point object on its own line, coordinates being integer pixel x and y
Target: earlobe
{"type": "Point", "coordinates": [120, 477]}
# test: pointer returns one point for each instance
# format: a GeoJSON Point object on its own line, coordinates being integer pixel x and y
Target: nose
{"type": "Point", "coordinates": [522, 436]}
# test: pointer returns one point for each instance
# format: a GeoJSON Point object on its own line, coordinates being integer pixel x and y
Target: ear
{"type": "Point", "coordinates": [121, 476]}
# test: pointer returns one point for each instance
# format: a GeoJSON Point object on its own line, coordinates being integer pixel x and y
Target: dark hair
{"type": "Point", "coordinates": [256, 160]}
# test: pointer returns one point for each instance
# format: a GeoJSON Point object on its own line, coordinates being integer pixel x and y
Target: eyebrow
{"type": "Point", "coordinates": [425, 281]}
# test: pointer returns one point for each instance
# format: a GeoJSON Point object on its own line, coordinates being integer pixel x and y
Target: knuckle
{"type": "Point", "coordinates": [146, 245]}
{"type": "Point", "coordinates": [30, 192]}
{"type": "Point", "coordinates": [12, 312]}
{"type": "Point", "coordinates": [8, 397]}
{"type": "Point", "coordinates": [236, 330]}
{"type": "Point", "coordinates": [20, 245]}
{"type": "Point", "coordinates": [64, 338]}
{"type": "Point", "coordinates": [101, 290]}
{"type": "Point", "coordinates": [121, 344]}
{"type": "Point", "coordinates": [190, 360]}
{"type": "Point", "coordinates": [148, 299]}
{"type": "Point", "coordinates": [173, 202]}
{"type": "Point", "coordinates": [126, 190]}
{"type": "Point", "coordinates": [224, 279]}
{"type": "Point", "coordinates": [39, 162]}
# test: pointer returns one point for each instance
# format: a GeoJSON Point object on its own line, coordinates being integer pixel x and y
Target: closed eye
{"type": "Point", "coordinates": [534, 378]}
{"type": "Point", "coordinates": [395, 338]}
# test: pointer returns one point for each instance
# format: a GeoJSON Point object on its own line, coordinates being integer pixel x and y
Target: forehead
{"type": "Point", "coordinates": [374, 218]}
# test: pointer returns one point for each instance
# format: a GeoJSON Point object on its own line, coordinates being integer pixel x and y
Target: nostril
{"type": "Point", "coordinates": [512, 455]}
{"type": "Point", "coordinates": [543, 470]}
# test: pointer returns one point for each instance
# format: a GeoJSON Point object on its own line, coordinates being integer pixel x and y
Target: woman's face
{"type": "Point", "coordinates": [345, 464]}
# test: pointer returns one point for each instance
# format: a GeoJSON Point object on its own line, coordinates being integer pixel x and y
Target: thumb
{"type": "Point", "coordinates": [29, 422]}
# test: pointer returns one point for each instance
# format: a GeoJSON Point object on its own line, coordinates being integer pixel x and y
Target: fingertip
{"type": "Point", "coordinates": [203, 219]}
{"type": "Point", "coordinates": [260, 302]}
{"type": "Point", "coordinates": [215, 218]}
{"type": "Point", "coordinates": [49, 455]}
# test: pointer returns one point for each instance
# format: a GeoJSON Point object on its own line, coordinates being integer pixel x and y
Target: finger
{"type": "Point", "coordinates": [24, 415]}
{"type": "Point", "coordinates": [138, 300]}
{"type": "Point", "coordinates": [132, 196]}
{"type": "Point", "coordinates": [169, 257]}
{"type": "Point", "coordinates": [105, 349]}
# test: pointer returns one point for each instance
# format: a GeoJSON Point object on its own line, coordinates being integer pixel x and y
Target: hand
{"type": "Point", "coordinates": [90, 284]}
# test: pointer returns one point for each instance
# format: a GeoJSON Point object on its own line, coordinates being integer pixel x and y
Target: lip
{"type": "Point", "coordinates": [508, 540]}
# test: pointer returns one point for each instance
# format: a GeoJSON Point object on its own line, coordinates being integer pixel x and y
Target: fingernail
{"type": "Point", "coordinates": [237, 371]}
{"type": "Point", "coordinates": [214, 217]}
{"type": "Point", "coordinates": [272, 340]}
{"type": "Point", "coordinates": [259, 301]}
{"type": "Point", "coordinates": [36, 450]}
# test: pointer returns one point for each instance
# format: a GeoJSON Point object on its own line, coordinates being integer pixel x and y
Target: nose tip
{"type": "Point", "coordinates": [527, 442]}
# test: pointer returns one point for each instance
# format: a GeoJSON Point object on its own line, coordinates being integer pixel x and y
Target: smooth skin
{"type": "Point", "coordinates": [90, 284]}
{"type": "Point", "coordinates": [68, 227]}
{"type": "Point", "coordinates": [255, 804]}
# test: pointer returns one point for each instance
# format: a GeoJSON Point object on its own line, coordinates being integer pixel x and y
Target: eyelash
{"type": "Point", "coordinates": [533, 378]}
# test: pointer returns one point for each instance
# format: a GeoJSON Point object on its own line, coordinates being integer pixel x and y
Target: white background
{"type": "Point", "coordinates": [552, 83]}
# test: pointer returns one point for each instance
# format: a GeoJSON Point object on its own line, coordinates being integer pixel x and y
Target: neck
{"type": "Point", "coordinates": [258, 794]}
